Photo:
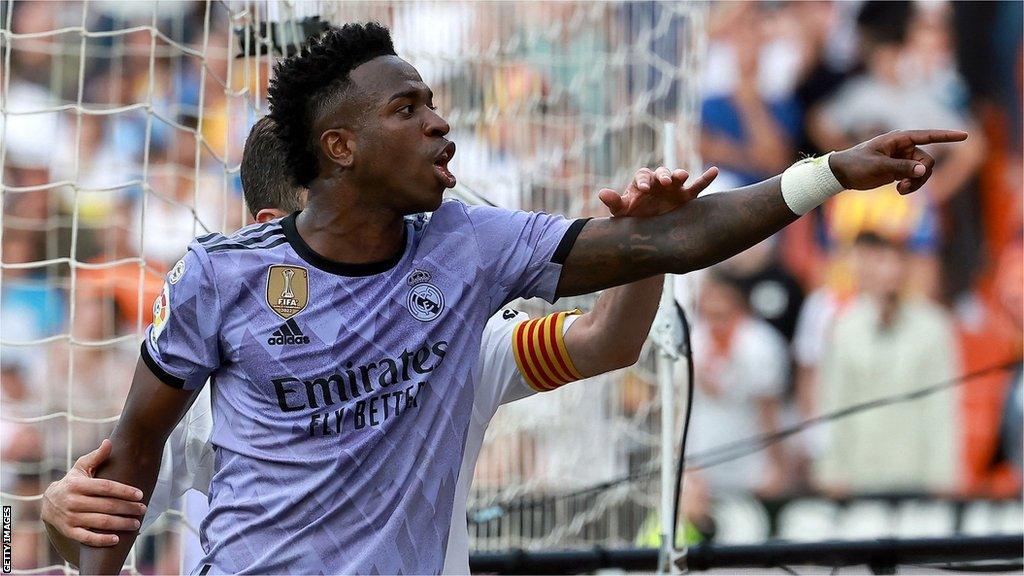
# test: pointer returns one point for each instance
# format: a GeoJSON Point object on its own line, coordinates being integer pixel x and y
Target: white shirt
{"type": "Point", "coordinates": [755, 367]}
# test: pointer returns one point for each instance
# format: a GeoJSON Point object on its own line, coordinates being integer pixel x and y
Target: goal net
{"type": "Point", "coordinates": [121, 131]}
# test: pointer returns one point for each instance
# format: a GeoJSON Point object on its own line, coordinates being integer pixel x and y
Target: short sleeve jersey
{"type": "Point", "coordinates": [188, 457]}
{"type": "Point", "coordinates": [342, 394]}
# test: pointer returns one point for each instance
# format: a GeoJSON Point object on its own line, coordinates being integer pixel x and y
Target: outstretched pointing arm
{"type": "Point", "coordinates": [615, 251]}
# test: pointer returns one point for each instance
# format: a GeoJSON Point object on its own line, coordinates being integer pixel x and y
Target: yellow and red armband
{"type": "Point", "coordinates": [539, 348]}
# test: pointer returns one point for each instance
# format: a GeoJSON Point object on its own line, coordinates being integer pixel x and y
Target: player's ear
{"type": "Point", "coordinates": [268, 214]}
{"type": "Point", "coordinates": [338, 145]}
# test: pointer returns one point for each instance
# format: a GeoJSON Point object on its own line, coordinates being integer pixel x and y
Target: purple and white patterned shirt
{"type": "Point", "coordinates": [342, 394]}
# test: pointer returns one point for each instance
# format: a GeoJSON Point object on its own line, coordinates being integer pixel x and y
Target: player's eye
{"type": "Point", "coordinates": [406, 110]}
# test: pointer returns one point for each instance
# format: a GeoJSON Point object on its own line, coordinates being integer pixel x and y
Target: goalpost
{"type": "Point", "coordinates": [122, 131]}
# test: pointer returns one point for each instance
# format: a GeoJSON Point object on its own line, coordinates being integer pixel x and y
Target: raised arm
{"type": "Point", "coordinates": [150, 413]}
{"type": "Point", "coordinates": [612, 334]}
{"type": "Point", "coordinates": [614, 251]}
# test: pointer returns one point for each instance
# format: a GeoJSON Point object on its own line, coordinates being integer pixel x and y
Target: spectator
{"type": "Point", "coordinates": [741, 371]}
{"type": "Point", "coordinates": [774, 294]}
{"type": "Point", "coordinates": [31, 307]}
{"type": "Point", "coordinates": [897, 90]}
{"type": "Point", "coordinates": [183, 203]}
{"type": "Point", "coordinates": [829, 56]}
{"type": "Point", "coordinates": [812, 333]}
{"type": "Point", "coordinates": [886, 343]}
{"type": "Point", "coordinates": [1010, 428]}
{"type": "Point", "coordinates": [695, 510]}
{"type": "Point", "coordinates": [1010, 297]}
{"type": "Point", "coordinates": [888, 97]}
{"type": "Point", "coordinates": [750, 119]}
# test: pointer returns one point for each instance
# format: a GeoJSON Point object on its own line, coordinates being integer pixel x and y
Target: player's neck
{"type": "Point", "coordinates": [339, 227]}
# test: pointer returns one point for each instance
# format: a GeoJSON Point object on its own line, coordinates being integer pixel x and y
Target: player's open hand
{"type": "Point", "coordinates": [655, 192]}
{"type": "Point", "coordinates": [77, 504]}
{"type": "Point", "coordinates": [892, 157]}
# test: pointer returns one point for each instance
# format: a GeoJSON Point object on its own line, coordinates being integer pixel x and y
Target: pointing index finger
{"type": "Point", "coordinates": [935, 136]}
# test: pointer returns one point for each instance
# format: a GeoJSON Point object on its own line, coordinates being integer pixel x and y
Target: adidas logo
{"type": "Point", "coordinates": [288, 333]}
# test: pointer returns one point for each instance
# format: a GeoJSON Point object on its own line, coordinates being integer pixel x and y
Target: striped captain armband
{"type": "Point", "coordinates": [539, 348]}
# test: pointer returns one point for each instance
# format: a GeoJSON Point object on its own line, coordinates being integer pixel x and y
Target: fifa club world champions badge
{"type": "Point", "coordinates": [287, 290]}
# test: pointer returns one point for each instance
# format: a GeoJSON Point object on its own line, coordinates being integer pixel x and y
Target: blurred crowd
{"type": "Point", "coordinates": [153, 158]}
{"type": "Point", "coordinates": [873, 295]}
{"type": "Point", "coordinates": [870, 296]}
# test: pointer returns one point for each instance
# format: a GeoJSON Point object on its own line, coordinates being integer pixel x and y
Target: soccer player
{"type": "Point", "coordinates": [385, 314]}
{"type": "Point", "coordinates": [78, 504]}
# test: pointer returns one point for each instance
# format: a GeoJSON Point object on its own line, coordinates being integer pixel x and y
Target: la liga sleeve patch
{"type": "Point", "coordinates": [161, 312]}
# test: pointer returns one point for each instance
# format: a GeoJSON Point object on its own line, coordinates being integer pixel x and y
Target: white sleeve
{"type": "Point", "coordinates": [520, 357]}
{"type": "Point", "coordinates": [762, 352]}
{"type": "Point", "coordinates": [160, 500]}
{"type": "Point", "coordinates": [187, 460]}
{"type": "Point", "coordinates": [812, 328]}
{"type": "Point", "coordinates": [499, 381]}
{"type": "Point", "coordinates": [198, 448]}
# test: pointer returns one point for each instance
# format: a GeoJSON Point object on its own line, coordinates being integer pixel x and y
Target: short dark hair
{"type": "Point", "coordinates": [871, 239]}
{"type": "Point", "coordinates": [304, 85]}
{"type": "Point", "coordinates": [885, 22]}
{"type": "Point", "coordinates": [266, 181]}
{"type": "Point", "coordinates": [724, 280]}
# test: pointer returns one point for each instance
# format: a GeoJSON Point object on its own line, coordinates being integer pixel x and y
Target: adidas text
{"type": "Point", "coordinates": [284, 340]}
{"type": "Point", "coordinates": [288, 333]}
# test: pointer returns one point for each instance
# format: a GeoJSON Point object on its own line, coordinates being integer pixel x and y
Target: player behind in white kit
{"type": "Point", "coordinates": [518, 357]}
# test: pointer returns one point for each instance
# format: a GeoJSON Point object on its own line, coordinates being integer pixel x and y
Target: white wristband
{"type": "Point", "coordinates": [808, 184]}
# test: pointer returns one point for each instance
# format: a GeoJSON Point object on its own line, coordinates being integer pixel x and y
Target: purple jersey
{"type": "Point", "coordinates": [342, 394]}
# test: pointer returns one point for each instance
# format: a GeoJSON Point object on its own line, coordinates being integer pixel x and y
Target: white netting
{"type": "Point", "coordinates": [122, 131]}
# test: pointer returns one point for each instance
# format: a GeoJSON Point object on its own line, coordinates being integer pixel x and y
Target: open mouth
{"type": "Point", "coordinates": [441, 165]}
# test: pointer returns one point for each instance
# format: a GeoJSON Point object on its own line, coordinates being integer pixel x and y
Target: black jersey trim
{"type": "Point", "coordinates": [250, 245]}
{"type": "Point", "coordinates": [291, 233]}
{"type": "Point", "coordinates": [256, 235]}
{"type": "Point", "coordinates": [250, 240]}
{"type": "Point", "coordinates": [568, 240]}
{"type": "Point", "coordinates": [253, 238]}
{"type": "Point", "coordinates": [256, 230]}
{"type": "Point", "coordinates": [158, 371]}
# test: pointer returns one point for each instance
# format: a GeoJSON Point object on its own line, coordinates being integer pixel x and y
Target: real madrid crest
{"type": "Point", "coordinates": [287, 290]}
{"type": "Point", "coordinates": [425, 301]}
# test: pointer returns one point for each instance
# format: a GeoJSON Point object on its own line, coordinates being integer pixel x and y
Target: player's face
{"type": "Point", "coordinates": [880, 270]}
{"type": "Point", "coordinates": [719, 309]}
{"type": "Point", "coordinates": [400, 144]}
{"type": "Point", "coordinates": [890, 271]}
